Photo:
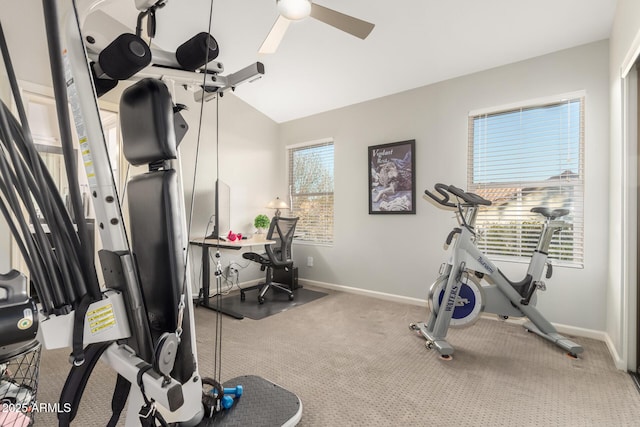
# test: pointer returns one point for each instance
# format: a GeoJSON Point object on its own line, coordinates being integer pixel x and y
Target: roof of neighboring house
{"type": "Point", "coordinates": [498, 195]}
{"type": "Point", "coordinates": [502, 195]}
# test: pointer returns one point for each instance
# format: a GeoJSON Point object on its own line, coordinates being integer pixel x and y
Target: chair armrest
{"type": "Point", "coordinates": [255, 257]}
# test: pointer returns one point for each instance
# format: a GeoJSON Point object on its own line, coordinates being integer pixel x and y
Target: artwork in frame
{"type": "Point", "coordinates": [392, 179]}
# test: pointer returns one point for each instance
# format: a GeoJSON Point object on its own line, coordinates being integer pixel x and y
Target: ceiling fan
{"type": "Point", "coordinates": [295, 10]}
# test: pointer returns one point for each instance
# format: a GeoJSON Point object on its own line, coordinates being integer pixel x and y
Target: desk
{"type": "Point", "coordinates": [205, 244]}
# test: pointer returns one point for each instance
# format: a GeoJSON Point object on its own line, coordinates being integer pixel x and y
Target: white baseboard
{"type": "Point", "coordinates": [366, 292]}
{"type": "Point", "coordinates": [617, 359]}
{"type": "Point", "coordinates": [582, 332]}
{"type": "Point", "coordinates": [564, 329]}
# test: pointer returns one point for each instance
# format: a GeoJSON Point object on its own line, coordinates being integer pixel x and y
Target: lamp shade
{"type": "Point", "coordinates": [277, 204]}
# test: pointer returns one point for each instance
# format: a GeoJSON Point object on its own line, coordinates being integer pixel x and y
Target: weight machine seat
{"type": "Point", "coordinates": [156, 217]}
{"type": "Point", "coordinates": [548, 213]}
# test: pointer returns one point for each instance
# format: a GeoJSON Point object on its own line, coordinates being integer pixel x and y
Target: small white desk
{"type": "Point", "coordinates": [227, 244]}
{"type": "Point", "coordinates": [206, 244]}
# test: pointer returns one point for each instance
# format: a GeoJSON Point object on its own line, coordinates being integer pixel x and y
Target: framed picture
{"type": "Point", "coordinates": [392, 178]}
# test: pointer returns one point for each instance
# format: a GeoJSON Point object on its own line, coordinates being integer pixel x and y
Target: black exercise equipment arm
{"type": "Point", "coordinates": [444, 199]}
{"type": "Point", "coordinates": [471, 198]}
{"type": "Point", "coordinates": [446, 190]}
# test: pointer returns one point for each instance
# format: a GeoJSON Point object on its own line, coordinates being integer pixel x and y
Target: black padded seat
{"type": "Point", "coordinates": [156, 217]}
{"type": "Point", "coordinates": [548, 213]}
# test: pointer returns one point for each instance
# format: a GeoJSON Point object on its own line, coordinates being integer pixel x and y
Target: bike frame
{"type": "Point", "coordinates": [498, 294]}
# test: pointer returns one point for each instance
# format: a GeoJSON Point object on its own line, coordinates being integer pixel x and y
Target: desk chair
{"type": "Point", "coordinates": [277, 256]}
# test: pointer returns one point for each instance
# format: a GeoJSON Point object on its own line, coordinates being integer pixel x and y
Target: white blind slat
{"type": "Point", "coordinates": [311, 184]}
{"type": "Point", "coordinates": [523, 158]}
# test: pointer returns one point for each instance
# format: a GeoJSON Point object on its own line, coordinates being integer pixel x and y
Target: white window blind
{"type": "Point", "coordinates": [527, 157]}
{"type": "Point", "coordinates": [311, 186]}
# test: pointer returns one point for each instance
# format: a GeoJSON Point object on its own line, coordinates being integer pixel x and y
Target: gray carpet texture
{"type": "Point", "coordinates": [353, 361]}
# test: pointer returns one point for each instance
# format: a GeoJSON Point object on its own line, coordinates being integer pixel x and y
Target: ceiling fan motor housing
{"type": "Point", "coordinates": [294, 9]}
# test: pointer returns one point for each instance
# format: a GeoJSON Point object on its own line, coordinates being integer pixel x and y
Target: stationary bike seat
{"type": "Point", "coordinates": [548, 213]}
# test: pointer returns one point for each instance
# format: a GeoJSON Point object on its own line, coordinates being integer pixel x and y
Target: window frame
{"type": "Point", "coordinates": [288, 162]}
{"type": "Point", "coordinates": [577, 232]}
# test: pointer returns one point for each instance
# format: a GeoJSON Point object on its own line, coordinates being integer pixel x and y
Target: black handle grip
{"type": "Point", "coordinates": [453, 233]}
{"type": "Point", "coordinates": [14, 286]}
{"type": "Point", "coordinates": [443, 190]}
{"type": "Point", "coordinates": [471, 198]}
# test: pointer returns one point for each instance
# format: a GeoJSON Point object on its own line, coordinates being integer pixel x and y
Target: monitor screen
{"type": "Point", "coordinates": [222, 210]}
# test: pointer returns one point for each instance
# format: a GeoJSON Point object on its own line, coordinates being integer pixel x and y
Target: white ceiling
{"type": "Point", "coordinates": [415, 43]}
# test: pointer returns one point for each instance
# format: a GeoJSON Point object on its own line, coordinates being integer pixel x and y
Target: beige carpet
{"type": "Point", "coordinates": [353, 362]}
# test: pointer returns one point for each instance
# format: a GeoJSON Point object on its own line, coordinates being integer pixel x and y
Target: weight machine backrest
{"type": "Point", "coordinates": [156, 217]}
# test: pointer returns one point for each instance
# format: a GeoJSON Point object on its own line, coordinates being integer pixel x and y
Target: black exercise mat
{"type": "Point", "coordinates": [274, 302]}
{"type": "Point", "coordinates": [262, 403]}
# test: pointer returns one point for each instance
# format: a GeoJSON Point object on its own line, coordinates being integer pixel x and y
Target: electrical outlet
{"type": "Point", "coordinates": [309, 261]}
{"type": "Point", "coordinates": [232, 272]}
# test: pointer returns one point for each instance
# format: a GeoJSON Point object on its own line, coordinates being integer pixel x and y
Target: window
{"type": "Point", "coordinates": [524, 157]}
{"type": "Point", "coordinates": [311, 189]}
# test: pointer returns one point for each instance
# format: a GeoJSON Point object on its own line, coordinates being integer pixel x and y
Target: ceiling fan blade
{"type": "Point", "coordinates": [274, 37]}
{"type": "Point", "coordinates": [346, 23]}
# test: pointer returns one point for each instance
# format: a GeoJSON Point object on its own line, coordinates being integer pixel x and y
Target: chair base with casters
{"type": "Point", "coordinates": [277, 256]}
{"type": "Point", "coordinates": [264, 287]}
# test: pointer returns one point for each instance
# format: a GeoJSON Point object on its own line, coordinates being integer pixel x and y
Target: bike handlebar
{"type": "Point", "coordinates": [446, 190]}
{"type": "Point", "coordinates": [443, 190]}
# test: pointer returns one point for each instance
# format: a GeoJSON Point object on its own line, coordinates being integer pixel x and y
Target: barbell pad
{"type": "Point", "coordinates": [192, 54]}
{"type": "Point", "coordinates": [124, 56]}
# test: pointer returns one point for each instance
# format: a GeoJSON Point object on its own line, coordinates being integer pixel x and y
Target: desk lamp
{"type": "Point", "coordinates": [277, 204]}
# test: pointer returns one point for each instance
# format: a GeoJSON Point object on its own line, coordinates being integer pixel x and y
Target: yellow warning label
{"type": "Point", "coordinates": [101, 318]}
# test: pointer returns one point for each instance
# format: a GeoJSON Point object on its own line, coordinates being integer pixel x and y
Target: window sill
{"type": "Point", "coordinates": [309, 243]}
{"type": "Point", "coordinates": [526, 260]}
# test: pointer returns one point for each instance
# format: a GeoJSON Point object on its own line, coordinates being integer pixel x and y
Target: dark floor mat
{"type": "Point", "coordinates": [262, 403]}
{"type": "Point", "coordinates": [274, 302]}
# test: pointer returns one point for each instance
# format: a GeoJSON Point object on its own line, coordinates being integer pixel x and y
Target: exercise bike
{"type": "Point", "coordinates": [470, 283]}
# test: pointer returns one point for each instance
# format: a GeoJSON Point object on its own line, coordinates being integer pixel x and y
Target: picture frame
{"type": "Point", "coordinates": [392, 179]}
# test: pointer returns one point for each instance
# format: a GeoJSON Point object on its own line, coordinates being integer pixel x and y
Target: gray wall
{"type": "Point", "coordinates": [394, 254]}
{"type": "Point", "coordinates": [247, 163]}
{"type": "Point", "coordinates": [400, 254]}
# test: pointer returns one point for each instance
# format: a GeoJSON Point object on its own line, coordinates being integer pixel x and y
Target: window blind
{"type": "Point", "coordinates": [527, 157]}
{"type": "Point", "coordinates": [311, 186]}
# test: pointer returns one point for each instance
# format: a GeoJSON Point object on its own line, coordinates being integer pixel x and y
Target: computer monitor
{"type": "Point", "coordinates": [222, 210]}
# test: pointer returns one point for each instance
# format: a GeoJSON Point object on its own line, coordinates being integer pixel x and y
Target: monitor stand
{"type": "Point", "coordinates": [214, 235]}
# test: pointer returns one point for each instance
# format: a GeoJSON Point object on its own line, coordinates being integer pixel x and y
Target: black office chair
{"type": "Point", "coordinates": [277, 256]}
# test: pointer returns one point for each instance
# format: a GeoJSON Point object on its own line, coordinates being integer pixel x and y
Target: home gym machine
{"type": "Point", "coordinates": [141, 321]}
{"type": "Point", "coordinates": [470, 283]}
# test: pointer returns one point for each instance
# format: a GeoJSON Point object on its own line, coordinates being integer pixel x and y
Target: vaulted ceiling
{"type": "Point", "coordinates": [414, 43]}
